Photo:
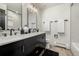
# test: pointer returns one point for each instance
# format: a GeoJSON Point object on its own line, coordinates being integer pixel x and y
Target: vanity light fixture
{"type": "Point", "coordinates": [32, 8]}
{"type": "Point", "coordinates": [56, 21]}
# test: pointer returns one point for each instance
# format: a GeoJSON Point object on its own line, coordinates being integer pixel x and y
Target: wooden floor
{"type": "Point", "coordinates": [62, 51]}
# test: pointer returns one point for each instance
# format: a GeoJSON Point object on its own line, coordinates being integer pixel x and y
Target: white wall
{"type": "Point", "coordinates": [75, 23]}
{"type": "Point", "coordinates": [59, 12]}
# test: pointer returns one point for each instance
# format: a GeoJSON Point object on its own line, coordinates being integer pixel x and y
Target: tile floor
{"type": "Point", "coordinates": [62, 51]}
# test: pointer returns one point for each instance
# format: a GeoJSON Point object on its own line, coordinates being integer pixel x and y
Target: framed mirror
{"type": "Point", "coordinates": [32, 18]}
{"type": "Point", "coordinates": [14, 15]}
{"type": "Point", "coordinates": [3, 16]}
{"type": "Point", "coordinates": [2, 19]}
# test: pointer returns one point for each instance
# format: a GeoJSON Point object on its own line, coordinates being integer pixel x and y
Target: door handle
{"type": "Point", "coordinates": [23, 48]}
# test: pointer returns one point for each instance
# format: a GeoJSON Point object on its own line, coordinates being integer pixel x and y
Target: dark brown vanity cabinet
{"type": "Point", "coordinates": [30, 44]}
{"type": "Point", "coordinates": [23, 47]}
{"type": "Point", "coordinates": [41, 40]}
{"type": "Point", "coordinates": [12, 49]}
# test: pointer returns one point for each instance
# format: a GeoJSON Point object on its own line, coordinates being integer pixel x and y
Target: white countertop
{"type": "Point", "coordinates": [13, 38]}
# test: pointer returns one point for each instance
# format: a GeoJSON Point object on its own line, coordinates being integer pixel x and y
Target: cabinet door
{"type": "Point", "coordinates": [29, 45]}
{"type": "Point", "coordinates": [18, 48]}
{"type": "Point", "coordinates": [12, 49]}
{"type": "Point", "coordinates": [41, 40]}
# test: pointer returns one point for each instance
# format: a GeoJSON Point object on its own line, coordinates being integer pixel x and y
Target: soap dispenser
{"type": "Point", "coordinates": [11, 31]}
{"type": "Point", "coordinates": [22, 31]}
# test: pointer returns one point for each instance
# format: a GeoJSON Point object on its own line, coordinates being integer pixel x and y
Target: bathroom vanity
{"type": "Point", "coordinates": [21, 45]}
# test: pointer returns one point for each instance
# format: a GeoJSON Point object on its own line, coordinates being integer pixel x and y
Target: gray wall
{"type": "Point", "coordinates": [75, 22]}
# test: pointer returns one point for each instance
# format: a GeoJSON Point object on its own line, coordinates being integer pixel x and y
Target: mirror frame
{"type": "Point", "coordinates": [14, 12]}
{"type": "Point", "coordinates": [28, 17]}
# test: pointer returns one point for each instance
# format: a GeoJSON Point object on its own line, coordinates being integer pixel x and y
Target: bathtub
{"type": "Point", "coordinates": [75, 48]}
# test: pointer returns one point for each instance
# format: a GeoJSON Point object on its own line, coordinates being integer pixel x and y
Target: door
{"type": "Point", "coordinates": [29, 45]}
{"type": "Point", "coordinates": [74, 24]}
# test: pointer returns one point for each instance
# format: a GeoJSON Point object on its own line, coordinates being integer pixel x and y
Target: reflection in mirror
{"type": "Point", "coordinates": [32, 18]}
{"type": "Point", "coordinates": [2, 19]}
{"type": "Point", "coordinates": [3, 16]}
{"type": "Point", "coordinates": [14, 15]}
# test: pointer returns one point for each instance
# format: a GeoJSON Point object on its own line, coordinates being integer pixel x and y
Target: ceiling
{"type": "Point", "coordinates": [43, 6]}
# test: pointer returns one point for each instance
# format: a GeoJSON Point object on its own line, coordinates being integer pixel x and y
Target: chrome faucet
{"type": "Point", "coordinates": [11, 31]}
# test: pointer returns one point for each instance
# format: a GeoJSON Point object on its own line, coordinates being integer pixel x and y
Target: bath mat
{"type": "Point", "coordinates": [37, 51]}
